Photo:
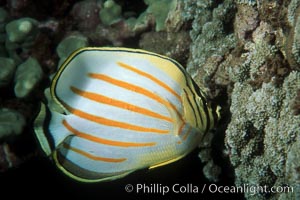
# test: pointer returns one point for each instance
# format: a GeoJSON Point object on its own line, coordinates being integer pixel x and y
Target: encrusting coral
{"type": "Point", "coordinates": [110, 13]}
{"type": "Point", "coordinates": [255, 69]}
{"type": "Point", "coordinates": [208, 35]}
{"type": "Point", "coordinates": [70, 44]}
{"type": "Point", "coordinates": [86, 14]}
{"type": "Point", "coordinates": [11, 123]}
{"type": "Point", "coordinates": [28, 75]}
{"type": "Point", "coordinates": [157, 11]}
{"type": "Point", "coordinates": [261, 130]}
{"type": "Point", "coordinates": [7, 71]}
{"type": "Point", "coordinates": [21, 34]}
{"type": "Point", "coordinates": [292, 170]}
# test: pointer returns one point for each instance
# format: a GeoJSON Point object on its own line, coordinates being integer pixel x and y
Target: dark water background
{"type": "Point", "coordinates": [39, 178]}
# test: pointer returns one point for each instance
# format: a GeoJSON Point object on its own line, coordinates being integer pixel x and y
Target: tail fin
{"type": "Point", "coordinates": [49, 135]}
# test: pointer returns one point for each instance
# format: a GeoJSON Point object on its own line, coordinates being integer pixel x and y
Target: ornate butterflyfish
{"type": "Point", "coordinates": [118, 110]}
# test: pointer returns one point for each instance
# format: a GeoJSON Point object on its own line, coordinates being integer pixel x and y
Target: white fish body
{"type": "Point", "coordinates": [124, 110]}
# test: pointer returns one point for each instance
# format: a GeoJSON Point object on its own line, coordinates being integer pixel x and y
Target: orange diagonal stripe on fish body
{"type": "Point", "coordinates": [109, 122]}
{"type": "Point", "coordinates": [162, 84]}
{"type": "Point", "coordinates": [134, 88]}
{"type": "Point", "coordinates": [93, 157]}
{"type": "Point", "coordinates": [128, 86]}
{"type": "Point", "coordinates": [104, 141]}
{"type": "Point", "coordinates": [121, 104]}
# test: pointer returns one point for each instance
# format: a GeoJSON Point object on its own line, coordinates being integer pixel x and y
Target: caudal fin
{"type": "Point", "coordinates": [48, 129]}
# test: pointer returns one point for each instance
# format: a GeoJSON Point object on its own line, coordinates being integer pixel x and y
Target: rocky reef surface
{"type": "Point", "coordinates": [248, 51]}
{"type": "Point", "coordinates": [245, 54]}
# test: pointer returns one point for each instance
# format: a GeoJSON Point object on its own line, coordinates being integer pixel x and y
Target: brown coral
{"type": "Point", "coordinates": [296, 104]}
{"type": "Point", "coordinates": [274, 70]}
{"type": "Point", "coordinates": [174, 45]}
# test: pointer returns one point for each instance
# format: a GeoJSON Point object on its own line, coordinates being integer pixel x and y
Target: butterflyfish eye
{"type": "Point", "coordinates": [113, 111]}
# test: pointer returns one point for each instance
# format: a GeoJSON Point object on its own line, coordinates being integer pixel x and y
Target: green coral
{"type": "Point", "coordinates": [255, 57]}
{"type": "Point", "coordinates": [257, 114]}
{"type": "Point", "coordinates": [7, 70]}
{"type": "Point", "coordinates": [27, 76]}
{"type": "Point", "coordinates": [21, 34]}
{"type": "Point", "coordinates": [200, 12]}
{"type": "Point", "coordinates": [19, 30]}
{"type": "Point", "coordinates": [261, 131]}
{"type": "Point", "coordinates": [292, 44]}
{"type": "Point", "coordinates": [208, 34]}
{"type": "Point", "coordinates": [292, 170]}
{"type": "Point", "coordinates": [211, 41]}
{"type": "Point", "coordinates": [158, 10]}
{"type": "Point", "coordinates": [296, 41]}
{"type": "Point", "coordinates": [139, 23]}
{"type": "Point", "coordinates": [11, 122]}
{"type": "Point", "coordinates": [224, 12]}
{"type": "Point", "coordinates": [110, 13]}
{"type": "Point", "coordinates": [3, 18]}
{"type": "Point", "coordinates": [249, 2]}
{"type": "Point", "coordinates": [210, 170]}
{"type": "Point", "coordinates": [69, 45]}
{"type": "Point", "coordinates": [292, 11]}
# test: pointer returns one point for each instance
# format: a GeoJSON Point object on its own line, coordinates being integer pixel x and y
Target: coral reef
{"type": "Point", "coordinates": [20, 74]}
{"type": "Point", "coordinates": [11, 123]}
{"type": "Point", "coordinates": [261, 131]}
{"type": "Point", "coordinates": [293, 41]}
{"type": "Point", "coordinates": [248, 2]}
{"type": "Point", "coordinates": [20, 30]}
{"type": "Point", "coordinates": [209, 36]}
{"type": "Point", "coordinates": [296, 104]}
{"type": "Point", "coordinates": [245, 54]}
{"type": "Point", "coordinates": [157, 13]}
{"type": "Point", "coordinates": [210, 170]}
{"type": "Point", "coordinates": [28, 75]}
{"type": "Point", "coordinates": [292, 170]}
{"type": "Point", "coordinates": [70, 44]}
{"type": "Point", "coordinates": [86, 14]}
{"type": "Point", "coordinates": [7, 71]}
{"type": "Point", "coordinates": [21, 34]}
{"type": "Point", "coordinates": [163, 43]}
{"type": "Point", "coordinates": [110, 13]}
{"type": "Point", "coordinates": [160, 11]}
{"type": "Point", "coordinates": [246, 21]}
